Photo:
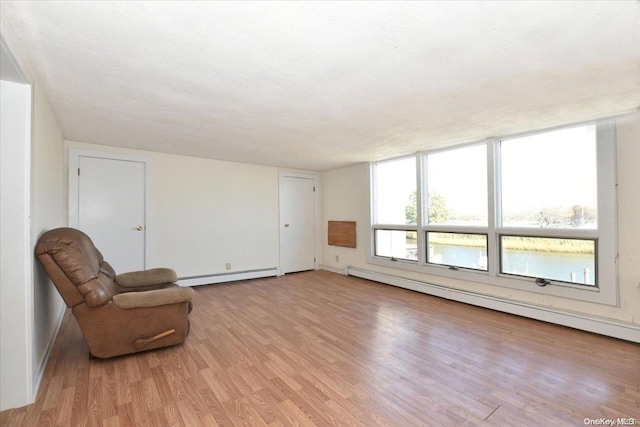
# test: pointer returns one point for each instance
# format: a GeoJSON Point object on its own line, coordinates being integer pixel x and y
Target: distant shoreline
{"type": "Point", "coordinates": [523, 244]}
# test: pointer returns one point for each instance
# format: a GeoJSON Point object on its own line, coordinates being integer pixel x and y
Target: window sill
{"type": "Point", "coordinates": [603, 295]}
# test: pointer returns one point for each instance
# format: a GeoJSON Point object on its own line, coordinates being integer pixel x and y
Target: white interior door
{"type": "Point", "coordinates": [111, 209]}
{"type": "Point", "coordinates": [297, 224]}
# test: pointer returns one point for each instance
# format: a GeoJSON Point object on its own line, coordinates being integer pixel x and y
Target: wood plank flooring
{"type": "Point", "coordinates": [318, 348]}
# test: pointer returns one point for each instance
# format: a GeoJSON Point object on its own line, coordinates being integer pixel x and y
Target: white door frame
{"type": "Point", "coordinates": [74, 189]}
{"type": "Point", "coordinates": [316, 222]}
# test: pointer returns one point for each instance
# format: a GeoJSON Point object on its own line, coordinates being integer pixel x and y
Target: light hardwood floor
{"type": "Point", "coordinates": [318, 348]}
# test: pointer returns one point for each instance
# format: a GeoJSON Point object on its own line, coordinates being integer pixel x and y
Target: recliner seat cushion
{"type": "Point", "coordinates": [153, 298]}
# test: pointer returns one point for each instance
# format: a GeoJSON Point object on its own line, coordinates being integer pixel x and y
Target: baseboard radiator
{"type": "Point", "coordinates": [227, 277]}
{"type": "Point", "coordinates": [617, 329]}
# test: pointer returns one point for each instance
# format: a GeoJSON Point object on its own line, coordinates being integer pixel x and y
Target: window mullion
{"type": "Point", "coordinates": [374, 192]}
{"type": "Point", "coordinates": [493, 205]}
{"type": "Point", "coordinates": [420, 181]}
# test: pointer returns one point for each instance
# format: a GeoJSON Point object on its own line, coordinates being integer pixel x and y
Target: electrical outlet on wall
{"type": "Point", "coordinates": [337, 257]}
{"type": "Point", "coordinates": [228, 266]}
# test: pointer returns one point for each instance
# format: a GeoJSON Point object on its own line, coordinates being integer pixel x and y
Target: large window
{"type": "Point", "coordinates": [534, 212]}
{"type": "Point", "coordinates": [395, 201]}
{"type": "Point", "coordinates": [550, 183]}
{"type": "Point", "coordinates": [549, 180]}
{"type": "Point", "coordinates": [457, 186]}
{"type": "Point", "coordinates": [395, 210]}
{"type": "Point", "coordinates": [457, 207]}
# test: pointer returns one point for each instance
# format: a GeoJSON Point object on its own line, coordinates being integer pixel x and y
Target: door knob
{"type": "Point", "coordinates": [286, 225]}
{"type": "Point", "coordinates": [139, 228]}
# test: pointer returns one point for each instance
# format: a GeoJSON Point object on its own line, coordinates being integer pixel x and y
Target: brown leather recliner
{"type": "Point", "coordinates": [117, 314]}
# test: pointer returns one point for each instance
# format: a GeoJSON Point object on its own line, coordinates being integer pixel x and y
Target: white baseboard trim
{"type": "Point", "coordinates": [42, 363]}
{"type": "Point", "coordinates": [334, 269]}
{"type": "Point", "coordinates": [227, 277]}
{"type": "Point", "coordinates": [598, 325]}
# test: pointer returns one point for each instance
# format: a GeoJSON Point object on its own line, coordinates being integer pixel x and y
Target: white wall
{"type": "Point", "coordinates": [48, 210]}
{"type": "Point", "coordinates": [628, 134]}
{"type": "Point", "coordinates": [206, 213]}
{"type": "Point", "coordinates": [16, 291]}
{"type": "Point", "coordinates": [32, 177]}
{"type": "Point", "coordinates": [346, 197]}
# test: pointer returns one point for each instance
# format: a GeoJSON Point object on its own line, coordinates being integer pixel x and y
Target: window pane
{"type": "Point", "coordinates": [457, 186]}
{"type": "Point", "coordinates": [550, 179]}
{"type": "Point", "coordinates": [397, 244]}
{"type": "Point", "coordinates": [458, 250]}
{"type": "Point", "coordinates": [395, 191]}
{"type": "Point", "coordinates": [565, 260]}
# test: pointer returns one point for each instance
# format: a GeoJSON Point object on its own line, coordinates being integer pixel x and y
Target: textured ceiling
{"type": "Point", "coordinates": [319, 85]}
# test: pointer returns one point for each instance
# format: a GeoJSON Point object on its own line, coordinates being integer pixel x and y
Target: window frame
{"type": "Point", "coordinates": [605, 235]}
{"type": "Point", "coordinates": [393, 227]}
{"type": "Point", "coordinates": [391, 258]}
{"type": "Point", "coordinates": [558, 281]}
{"type": "Point", "coordinates": [452, 266]}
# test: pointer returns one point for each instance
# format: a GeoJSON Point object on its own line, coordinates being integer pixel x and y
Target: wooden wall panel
{"type": "Point", "coordinates": [342, 233]}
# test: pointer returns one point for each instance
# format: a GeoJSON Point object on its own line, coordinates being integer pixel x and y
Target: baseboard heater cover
{"type": "Point", "coordinates": [334, 269]}
{"type": "Point", "coordinates": [602, 326]}
{"type": "Point", "coordinates": [227, 277]}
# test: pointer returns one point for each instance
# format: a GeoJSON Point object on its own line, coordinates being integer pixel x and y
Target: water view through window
{"type": "Point", "coordinates": [565, 260]}
{"type": "Point", "coordinates": [458, 250]}
{"type": "Point", "coordinates": [572, 266]}
{"type": "Point", "coordinates": [518, 207]}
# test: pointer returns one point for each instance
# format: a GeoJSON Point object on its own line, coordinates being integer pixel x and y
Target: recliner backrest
{"type": "Point", "coordinates": [76, 267]}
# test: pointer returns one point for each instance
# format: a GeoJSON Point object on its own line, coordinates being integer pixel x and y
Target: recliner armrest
{"type": "Point", "coordinates": [153, 298]}
{"type": "Point", "coordinates": [140, 279]}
